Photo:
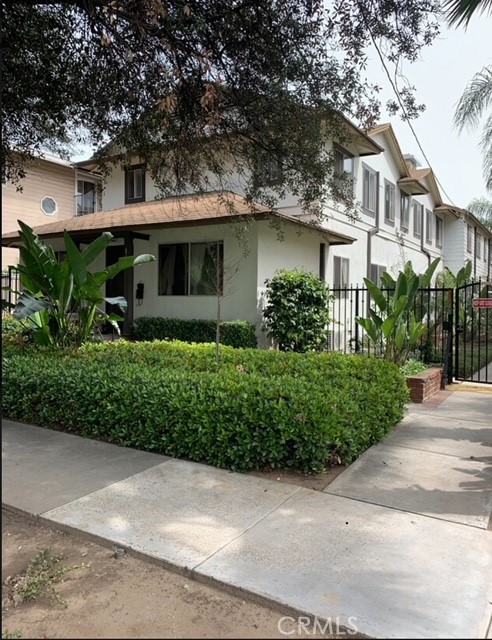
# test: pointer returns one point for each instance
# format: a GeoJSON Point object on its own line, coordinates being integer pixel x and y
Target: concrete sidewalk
{"type": "Point", "coordinates": [398, 542]}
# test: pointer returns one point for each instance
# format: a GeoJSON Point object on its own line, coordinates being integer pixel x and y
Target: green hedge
{"type": "Point", "coordinates": [257, 409]}
{"type": "Point", "coordinates": [235, 333]}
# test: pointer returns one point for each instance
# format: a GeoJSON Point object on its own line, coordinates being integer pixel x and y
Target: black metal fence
{"type": "Point", "coordinates": [473, 332]}
{"type": "Point", "coordinates": [10, 289]}
{"type": "Point", "coordinates": [457, 336]}
{"type": "Point", "coordinates": [432, 306]}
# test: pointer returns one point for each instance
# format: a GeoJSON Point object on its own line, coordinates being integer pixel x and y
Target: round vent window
{"type": "Point", "coordinates": [49, 206]}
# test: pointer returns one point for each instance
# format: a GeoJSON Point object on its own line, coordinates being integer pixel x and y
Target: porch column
{"type": "Point", "coordinates": [128, 287]}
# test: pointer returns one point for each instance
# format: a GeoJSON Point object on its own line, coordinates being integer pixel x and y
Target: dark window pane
{"type": "Point", "coordinates": [173, 270]}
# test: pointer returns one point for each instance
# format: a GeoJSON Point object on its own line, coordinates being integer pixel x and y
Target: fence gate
{"type": "Point", "coordinates": [473, 332]}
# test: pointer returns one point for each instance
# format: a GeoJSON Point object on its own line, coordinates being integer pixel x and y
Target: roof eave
{"type": "Point", "coordinates": [412, 187]}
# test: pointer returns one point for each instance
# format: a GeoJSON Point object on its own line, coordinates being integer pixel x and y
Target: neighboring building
{"type": "Point", "coordinates": [52, 189]}
{"type": "Point", "coordinates": [468, 239]}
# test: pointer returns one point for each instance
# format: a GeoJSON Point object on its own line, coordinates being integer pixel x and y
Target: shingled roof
{"type": "Point", "coordinates": [180, 211]}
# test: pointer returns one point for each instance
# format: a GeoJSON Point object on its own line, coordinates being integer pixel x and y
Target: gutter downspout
{"type": "Point", "coordinates": [423, 249]}
{"type": "Point", "coordinates": [474, 251]}
{"type": "Point", "coordinates": [489, 260]}
{"type": "Point", "coordinates": [372, 232]}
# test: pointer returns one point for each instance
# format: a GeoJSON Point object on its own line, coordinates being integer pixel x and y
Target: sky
{"type": "Point", "coordinates": [440, 77]}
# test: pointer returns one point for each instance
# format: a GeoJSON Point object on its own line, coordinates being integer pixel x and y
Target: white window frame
{"type": "Point", "coordinates": [405, 213]}
{"type": "Point", "coordinates": [429, 226]}
{"type": "Point", "coordinates": [389, 202]}
{"type": "Point", "coordinates": [46, 213]}
{"type": "Point", "coordinates": [440, 234]}
{"type": "Point", "coordinates": [369, 195]}
{"type": "Point", "coordinates": [418, 218]}
{"type": "Point", "coordinates": [80, 195]}
{"type": "Point", "coordinates": [469, 238]}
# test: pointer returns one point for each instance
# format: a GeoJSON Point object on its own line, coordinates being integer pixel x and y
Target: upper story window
{"type": "Point", "coordinates": [343, 169]}
{"type": "Point", "coordinates": [418, 215]}
{"type": "Point", "coordinates": [404, 211]}
{"type": "Point", "coordinates": [478, 250]}
{"type": "Point", "coordinates": [86, 197]}
{"type": "Point", "coordinates": [469, 238]}
{"type": "Point", "coordinates": [369, 189]}
{"type": "Point", "coordinates": [49, 206]}
{"type": "Point", "coordinates": [485, 246]}
{"type": "Point", "coordinates": [191, 269]}
{"type": "Point", "coordinates": [389, 202]}
{"type": "Point", "coordinates": [428, 226]}
{"type": "Point", "coordinates": [439, 231]}
{"type": "Point", "coordinates": [135, 184]}
{"type": "Point", "coordinates": [268, 172]}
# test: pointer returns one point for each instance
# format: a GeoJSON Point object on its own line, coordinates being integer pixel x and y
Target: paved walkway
{"type": "Point", "coordinates": [398, 542]}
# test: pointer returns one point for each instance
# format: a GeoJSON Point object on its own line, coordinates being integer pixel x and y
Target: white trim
{"type": "Point", "coordinates": [41, 205]}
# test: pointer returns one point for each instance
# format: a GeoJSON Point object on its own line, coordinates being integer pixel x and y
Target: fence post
{"type": "Point", "coordinates": [448, 355]}
{"type": "Point", "coordinates": [357, 345]}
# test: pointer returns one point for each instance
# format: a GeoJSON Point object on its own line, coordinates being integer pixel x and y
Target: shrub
{"type": "Point", "coordinates": [296, 315]}
{"type": "Point", "coordinates": [235, 333]}
{"type": "Point", "coordinates": [257, 409]}
{"type": "Point", "coordinates": [12, 327]}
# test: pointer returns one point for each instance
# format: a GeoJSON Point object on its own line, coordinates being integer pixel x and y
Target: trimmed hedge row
{"type": "Point", "coordinates": [258, 409]}
{"type": "Point", "coordinates": [235, 333]}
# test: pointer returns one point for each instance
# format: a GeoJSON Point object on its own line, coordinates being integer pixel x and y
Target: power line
{"type": "Point", "coordinates": [404, 111]}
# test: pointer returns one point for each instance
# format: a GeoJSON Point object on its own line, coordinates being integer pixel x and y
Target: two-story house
{"type": "Point", "coordinates": [402, 217]}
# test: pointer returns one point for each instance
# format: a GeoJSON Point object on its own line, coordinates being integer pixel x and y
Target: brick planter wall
{"type": "Point", "coordinates": [425, 384]}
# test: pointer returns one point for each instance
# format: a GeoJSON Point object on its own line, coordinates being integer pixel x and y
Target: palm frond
{"type": "Point", "coordinates": [459, 12]}
{"type": "Point", "coordinates": [486, 147]}
{"type": "Point", "coordinates": [482, 209]}
{"type": "Point", "coordinates": [476, 98]}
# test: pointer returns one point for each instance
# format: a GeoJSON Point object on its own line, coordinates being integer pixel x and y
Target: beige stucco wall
{"type": "Point", "coordinates": [43, 178]}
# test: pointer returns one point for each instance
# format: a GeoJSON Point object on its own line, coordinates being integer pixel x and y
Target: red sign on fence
{"type": "Point", "coordinates": [482, 303]}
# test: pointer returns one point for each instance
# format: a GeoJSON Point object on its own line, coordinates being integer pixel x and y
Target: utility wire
{"type": "Point", "coordinates": [404, 111]}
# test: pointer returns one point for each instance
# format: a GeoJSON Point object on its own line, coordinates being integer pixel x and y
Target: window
{"type": "Point", "coordinates": [404, 211]}
{"type": "Point", "coordinates": [485, 249]}
{"type": "Point", "coordinates": [340, 272]}
{"type": "Point", "coordinates": [268, 171]}
{"type": "Point", "coordinates": [135, 184]}
{"type": "Point", "coordinates": [389, 202]}
{"type": "Point", "coordinates": [60, 256]}
{"type": "Point", "coordinates": [49, 206]}
{"type": "Point", "coordinates": [369, 188]}
{"type": "Point", "coordinates": [86, 197]}
{"type": "Point", "coordinates": [191, 269]}
{"type": "Point", "coordinates": [478, 250]}
{"type": "Point", "coordinates": [469, 238]}
{"type": "Point", "coordinates": [428, 226]}
{"type": "Point", "coordinates": [343, 170]}
{"type": "Point", "coordinates": [377, 271]}
{"type": "Point", "coordinates": [418, 215]}
{"type": "Point", "coordinates": [439, 231]}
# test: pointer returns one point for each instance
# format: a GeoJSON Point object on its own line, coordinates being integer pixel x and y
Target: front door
{"type": "Point", "coordinates": [114, 287]}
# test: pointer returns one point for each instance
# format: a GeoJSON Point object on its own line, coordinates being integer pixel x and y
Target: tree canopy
{"type": "Point", "coordinates": [162, 79]}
